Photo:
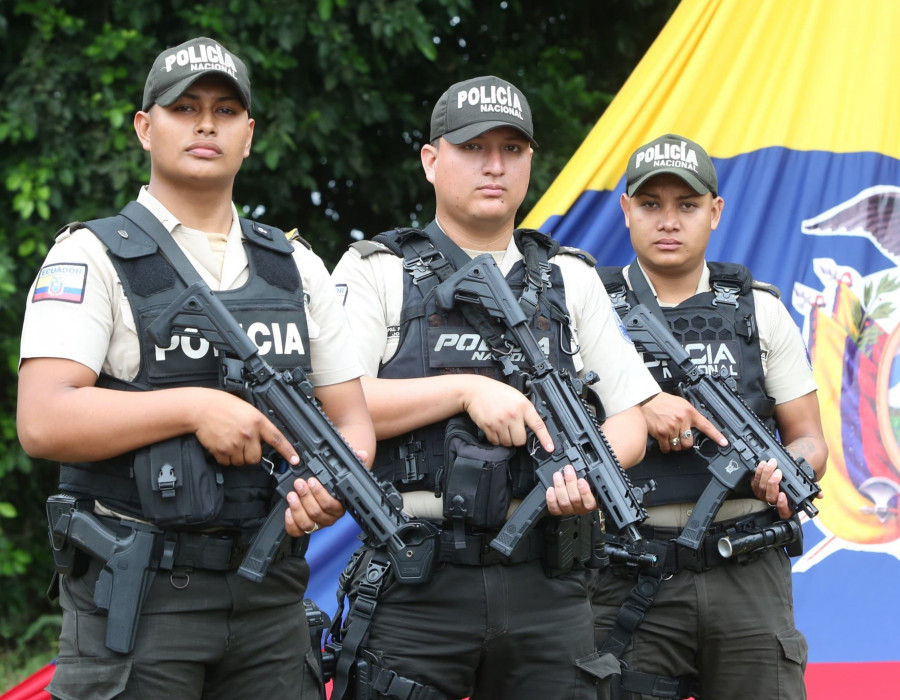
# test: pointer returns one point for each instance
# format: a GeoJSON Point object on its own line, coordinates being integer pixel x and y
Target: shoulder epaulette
{"type": "Point", "coordinates": [369, 247]}
{"type": "Point", "coordinates": [71, 226]}
{"type": "Point", "coordinates": [578, 252]}
{"type": "Point", "coordinates": [294, 235]}
{"type": "Point", "coordinates": [766, 287]}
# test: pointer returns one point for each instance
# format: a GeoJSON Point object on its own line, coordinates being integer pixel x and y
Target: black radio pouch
{"type": "Point", "coordinates": [475, 479]}
{"type": "Point", "coordinates": [176, 484]}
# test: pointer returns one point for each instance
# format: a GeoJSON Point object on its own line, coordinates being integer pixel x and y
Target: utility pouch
{"type": "Point", "coordinates": [176, 484]}
{"type": "Point", "coordinates": [475, 478]}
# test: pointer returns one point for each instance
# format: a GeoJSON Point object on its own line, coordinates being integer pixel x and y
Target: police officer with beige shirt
{"type": "Point", "coordinates": [452, 433]}
{"type": "Point", "coordinates": [700, 623]}
{"type": "Point", "coordinates": [98, 395]}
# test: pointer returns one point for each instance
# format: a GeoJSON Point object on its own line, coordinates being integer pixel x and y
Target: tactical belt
{"type": "Point", "coordinates": [670, 559]}
{"type": "Point", "coordinates": [201, 551]}
{"type": "Point", "coordinates": [210, 551]}
{"type": "Point", "coordinates": [558, 542]}
{"type": "Point", "coordinates": [478, 550]}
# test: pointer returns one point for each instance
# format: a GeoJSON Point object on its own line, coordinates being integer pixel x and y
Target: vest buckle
{"type": "Point", "coordinates": [725, 294]}
{"type": "Point", "coordinates": [420, 267]}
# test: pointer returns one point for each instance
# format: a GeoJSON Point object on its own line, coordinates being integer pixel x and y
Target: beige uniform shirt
{"type": "Point", "coordinates": [373, 291]}
{"type": "Point", "coordinates": [77, 308]}
{"type": "Point", "coordinates": [788, 376]}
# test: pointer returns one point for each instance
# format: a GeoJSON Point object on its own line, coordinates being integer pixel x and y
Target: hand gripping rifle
{"type": "Point", "coordinates": [749, 440]}
{"type": "Point", "coordinates": [286, 398]}
{"type": "Point", "coordinates": [560, 401]}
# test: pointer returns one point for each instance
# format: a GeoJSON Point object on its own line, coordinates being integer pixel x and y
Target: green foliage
{"type": "Point", "coordinates": [342, 95]}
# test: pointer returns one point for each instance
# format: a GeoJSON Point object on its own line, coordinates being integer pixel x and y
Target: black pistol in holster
{"type": "Point", "coordinates": [129, 562]}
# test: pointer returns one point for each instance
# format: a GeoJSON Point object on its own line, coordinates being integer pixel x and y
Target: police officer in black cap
{"type": "Point", "coordinates": [452, 433]}
{"type": "Point", "coordinates": [163, 468]}
{"type": "Point", "coordinates": [702, 624]}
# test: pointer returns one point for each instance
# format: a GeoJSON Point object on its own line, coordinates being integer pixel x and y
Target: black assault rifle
{"type": "Point", "coordinates": [560, 400]}
{"type": "Point", "coordinates": [749, 440]}
{"type": "Point", "coordinates": [286, 398]}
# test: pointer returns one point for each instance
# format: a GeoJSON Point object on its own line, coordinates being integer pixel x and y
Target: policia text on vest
{"type": "Point", "coordinates": [131, 561]}
{"type": "Point", "coordinates": [749, 441]}
{"type": "Point", "coordinates": [560, 402]}
{"type": "Point", "coordinates": [287, 399]}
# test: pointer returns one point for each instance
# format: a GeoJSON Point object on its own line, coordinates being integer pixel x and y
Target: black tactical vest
{"type": "Point", "coordinates": [270, 308]}
{"type": "Point", "coordinates": [435, 342]}
{"type": "Point", "coordinates": [718, 329]}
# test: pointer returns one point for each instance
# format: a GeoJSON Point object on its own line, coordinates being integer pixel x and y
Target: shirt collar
{"type": "Point", "coordinates": [169, 220]}
{"type": "Point", "coordinates": [702, 284]}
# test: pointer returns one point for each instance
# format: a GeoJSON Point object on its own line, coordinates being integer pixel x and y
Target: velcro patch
{"type": "Point", "coordinates": [61, 282]}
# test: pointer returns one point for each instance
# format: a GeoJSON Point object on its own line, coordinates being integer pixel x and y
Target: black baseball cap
{"type": "Point", "coordinates": [177, 68]}
{"type": "Point", "coordinates": [474, 106]}
{"type": "Point", "coordinates": [675, 155]}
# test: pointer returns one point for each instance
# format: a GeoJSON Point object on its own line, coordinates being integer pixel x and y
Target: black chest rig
{"type": "Point", "coordinates": [719, 331]}
{"type": "Point", "coordinates": [433, 342]}
{"type": "Point", "coordinates": [270, 307]}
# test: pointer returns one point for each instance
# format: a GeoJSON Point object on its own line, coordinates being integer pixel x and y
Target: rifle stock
{"type": "Point", "coordinates": [560, 401]}
{"type": "Point", "coordinates": [749, 440]}
{"type": "Point", "coordinates": [286, 398]}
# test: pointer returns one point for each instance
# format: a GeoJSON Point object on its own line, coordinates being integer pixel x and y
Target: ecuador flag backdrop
{"type": "Point", "coordinates": [795, 102]}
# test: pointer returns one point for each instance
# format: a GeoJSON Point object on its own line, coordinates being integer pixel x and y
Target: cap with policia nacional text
{"type": "Point", "coordinates": [176, 69]}
{"type": "Point", "coordinates": [676, 155]}
{"type": "Point", "coordinates": [474, 106]}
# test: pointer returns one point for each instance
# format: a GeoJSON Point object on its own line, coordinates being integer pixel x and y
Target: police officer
{"type": "Point", "coordinates": [451, 431]}
{"type": "Point", "coordinates": [97, 395]}
{"type": "Point", "coordinates": [720, 628]}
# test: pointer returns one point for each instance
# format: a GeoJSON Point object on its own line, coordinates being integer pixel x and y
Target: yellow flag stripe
{"type": "Point", "coordinates": [741, 75]}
